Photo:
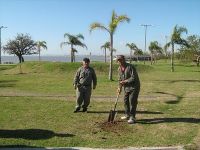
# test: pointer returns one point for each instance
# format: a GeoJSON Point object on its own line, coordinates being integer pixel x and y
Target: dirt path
{"type": "Point", "coordinates": [97, 97]}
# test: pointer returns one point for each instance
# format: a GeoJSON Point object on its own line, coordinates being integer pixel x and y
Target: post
{"type": "Point", "coordinates": [0, 41]}
{"type": "Point", "coordinates": [145, 36]}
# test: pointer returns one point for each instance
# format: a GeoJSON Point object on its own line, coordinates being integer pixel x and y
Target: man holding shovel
{"type": "Point", "coordinates": [129, 80]}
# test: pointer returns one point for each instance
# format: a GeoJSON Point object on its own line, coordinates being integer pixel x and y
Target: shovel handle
{"type": "Point", "coordinates": [116, 101]}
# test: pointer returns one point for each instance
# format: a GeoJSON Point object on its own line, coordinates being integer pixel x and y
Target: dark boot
{"type": "Point", "coordinates": [84, 109]}
{"type": "Point", "coordinates": [77, 110]}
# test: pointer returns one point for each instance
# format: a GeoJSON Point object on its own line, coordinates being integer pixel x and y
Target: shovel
{"type": "Point", "coordinates": [113, 113]}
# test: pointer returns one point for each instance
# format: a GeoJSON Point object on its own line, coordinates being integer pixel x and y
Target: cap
{"type": "Point", "coordinates": [120, 57]}
{"type": "Point", "coordinates": [86, 59]}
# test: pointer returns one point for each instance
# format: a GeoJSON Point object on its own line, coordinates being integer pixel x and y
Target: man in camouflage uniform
{"type": "Point", "coordinates": [83, 80]}
{"type": "Point", "coordinates": [129, 80]}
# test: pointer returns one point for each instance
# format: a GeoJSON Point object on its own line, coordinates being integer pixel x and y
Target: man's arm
{"type": "Point", "coordinates": [94, 78]}
{"type": "Point", "coordinates": [76, 78]}
{"type": "Point", "coordinates": [132, 72]}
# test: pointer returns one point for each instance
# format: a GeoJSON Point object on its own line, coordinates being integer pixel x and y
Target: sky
{"type": "Point", "coordinates": [49, 20]}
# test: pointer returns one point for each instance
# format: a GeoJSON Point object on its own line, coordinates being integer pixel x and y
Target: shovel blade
{"type": "Point", "coordinates": [111, 116]}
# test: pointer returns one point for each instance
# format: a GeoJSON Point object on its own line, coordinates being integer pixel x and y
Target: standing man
{"type": "Point", "coordinates": [83, 80]}
{"type": "Point", "coordinates": [129, 80]}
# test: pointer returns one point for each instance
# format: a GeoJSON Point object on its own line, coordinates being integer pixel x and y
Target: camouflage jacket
{"type": "Point", "coordinates": [130, 74]}
{"type": "Point", "coordinates": [85, 77]}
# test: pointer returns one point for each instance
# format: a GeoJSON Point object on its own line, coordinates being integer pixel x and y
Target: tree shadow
{"type": "Point", "coordinates": [7, 83]}
{"type": "Point", "coordinates": [168, 120]}
{"type": "Point", "coordinates": [31, 134]}
{"type": "Point", "coordinates": [178, 98]}
{"type": "Point", "coordinates": [174, 81]}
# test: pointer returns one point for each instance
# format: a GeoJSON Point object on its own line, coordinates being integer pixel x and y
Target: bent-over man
{"type": "Point", "coordinates": [129, 80]}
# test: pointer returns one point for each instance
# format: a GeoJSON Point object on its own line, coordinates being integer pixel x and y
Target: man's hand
{"type": "Point", "coordinates": [94, 87]}
{"type": "Point", "coordinates": [123, 82]}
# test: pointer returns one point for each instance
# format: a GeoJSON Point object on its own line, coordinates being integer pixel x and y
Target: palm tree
{"type": "Point", "coordinates": [105, 46]}
{"type": "Point", "coordinates": [115, 20]}
{"type": "Point", "coordinates": [41, 44]}
{"type": "Point", "coordinates": [176, 39]}
{"type": "Point", "coordinates": [132, 48]}
{"type": "Point", "coordinates": [154, 49]}
{"type": "Point", "coordinates": [73, 40]}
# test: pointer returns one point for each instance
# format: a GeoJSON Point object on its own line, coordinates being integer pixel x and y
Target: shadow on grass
{"type": "Point", "coordinates": [122, 112]}
{"type": "Point", "coordinates": [168, 120]}
{"type": "Point", "coordinates": [31, 134]}
{"type": "Point", "coordinates": [178, 98]}
{"type": "Point", "coordinates": [174, 81]}
{"type": "Point", "coordinates": [7, 83]}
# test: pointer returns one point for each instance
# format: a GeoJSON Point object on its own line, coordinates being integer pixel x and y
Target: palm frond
{"type": "Point", "coordinates": [80, 36]}
{"type": "Point", "coordinates": [118, 19]}
{"type": "Point", "coordinates": [64, 43]}
{"type": "Point", "coordinates": [105, 45]}
{"type": "Point", "coordinates": [167, 45]}
{"type": "Point", "coordinates": [67, 35]}
{"type": "Point", "coordinates": [97, 25]}
{"type": "Point", "coordinates": [74, 50]}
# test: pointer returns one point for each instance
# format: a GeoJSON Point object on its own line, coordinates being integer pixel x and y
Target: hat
{"type": "Point", "coordinates": [120, 57]}
{"type": "Point", "coordinates": [86, 60]}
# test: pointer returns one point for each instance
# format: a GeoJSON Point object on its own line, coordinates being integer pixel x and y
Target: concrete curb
{"type": "Point", "coordinates": [85, 148]}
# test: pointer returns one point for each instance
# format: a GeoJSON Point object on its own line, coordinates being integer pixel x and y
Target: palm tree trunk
{"type": "Point", "coordinates": [74, 56]}
{"type": "Point", "coordinates": [105, 55]}
{"type": "Point", "coordinates": [71, 53]}
{"type": "Point", "coordinates": [111, 57]}
{"type": "Point", "coordinates": [151, 58]}
{"type": "Point", "coordinates": [172, 58]}
{"type": "Point", "coordinates": [198, 60]}
{"type": "Point", "coordinates": [39, 53]}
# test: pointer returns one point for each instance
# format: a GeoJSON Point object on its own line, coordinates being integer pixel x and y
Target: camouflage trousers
{"type": "Point", "coordinates": [83, 95]}
{"type": "Point", "coordinates": [130, 102]}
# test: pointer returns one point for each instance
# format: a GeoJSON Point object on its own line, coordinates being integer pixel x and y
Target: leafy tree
{"type": "Point", "coordinates": [41, 44]}
{"type": "Point", "coordinates": [21, 45]}
{"type": "Point", "coordinates": [73, 40]}
{"type": "Point", "coordinates": [115, 20]}
{"type": "Point", "coordinates": [105, 46]}
{"type": "Point", "coordinates": [176, 39]}
{"type": "Point", "coordinates": [133, 49]}
{"type": "Point", "coordinates": [193, 51]}
{"type": "Point", "coordinates": [154, 49]}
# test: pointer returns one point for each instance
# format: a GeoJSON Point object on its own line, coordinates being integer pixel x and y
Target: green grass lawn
{"type": "Point", "coordinates": [36, 107]}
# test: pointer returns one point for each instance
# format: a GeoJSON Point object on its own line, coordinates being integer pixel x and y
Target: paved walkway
{"type": "Point", "coordinates": [83, 148]}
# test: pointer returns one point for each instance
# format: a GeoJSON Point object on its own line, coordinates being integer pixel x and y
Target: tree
{"type": "Point", "coordinates": [105, 46]}
{"type": "Point", "coordinates": [115, 20]}
{"type": "Point", "coordinates": [193, 51]}
{"type": "Point", "coordinates": [73, 40]}
{"type": "Point", "coordinates": [154, 49]}
{"type": "Point", "coordinates": [41, 44]}
{"type": "Point", "coordinates": [133, 48]}
{"type": "Point", "coordinates": [176, 39]}
{"type": "Point", "coordinates": [21, 45]}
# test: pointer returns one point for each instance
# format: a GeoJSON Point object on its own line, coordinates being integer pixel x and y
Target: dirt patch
{"type": "Point", "coordinates": [115, 127]}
